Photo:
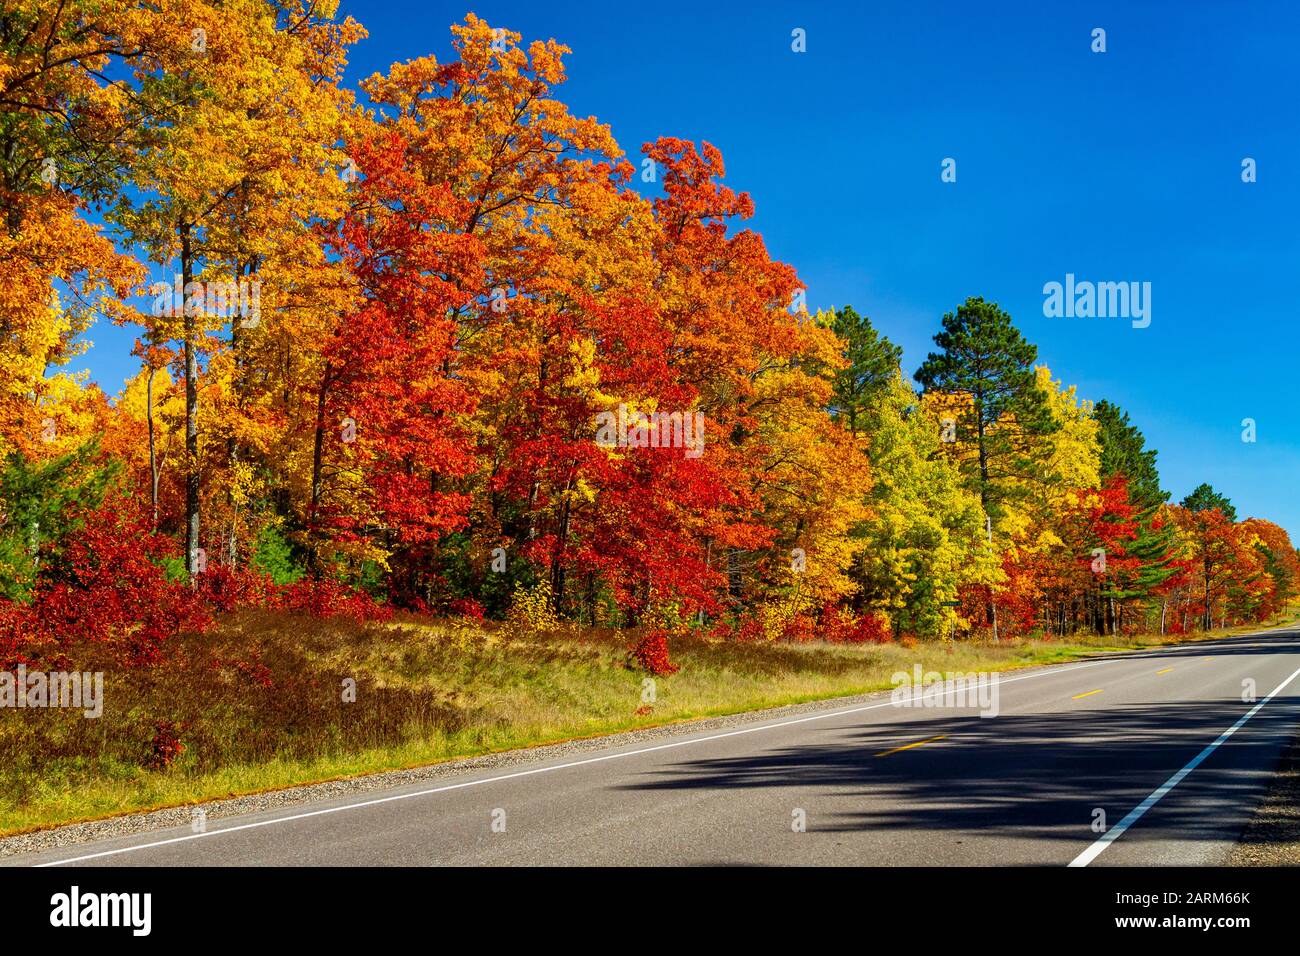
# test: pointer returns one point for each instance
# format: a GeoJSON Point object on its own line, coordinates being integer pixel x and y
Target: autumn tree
{"type": "Point", "coordinates": [236, 156]}
{"type": "Point", "coordinates": [1206, 517]}
{"type": "Point", "coordinates": [60, 122]}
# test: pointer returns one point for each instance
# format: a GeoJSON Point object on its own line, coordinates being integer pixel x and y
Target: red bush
{"type": "Point", "coordinates": [166, 745]}
{"type": "Point", "coordinates": [468, 607]}
{"type": "Point", "coordinates": [801, 629]}
{"type": "Point", "coordinates": [651, 654]}
{"type": "Point", "coordinates": [223, 588]}
{"type": "Point", "coordinates": [325, 598]}
{"type": "Point", "coordinates": [841, 627]}
{"type": "Point", "coordinates": [107, 588]}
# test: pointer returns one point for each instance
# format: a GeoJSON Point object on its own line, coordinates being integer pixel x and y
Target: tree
{"type": "Point", "coordinates": [1281, 565]}
{"type": "Point", "coordinates": [236, 154]}
{"type": "Point", "coordinates": [1204, 498]}
{"type": "Point", "coordinates": [1206, 519]}
{"type": "Point", "coordinates": [872, 367]}
{"type": "Point", "coordinates": [59, 122]}
{"type": "Point", "coordinates": [924, 539]}
{"type": "Point", "coordinates": [1124, 452]}
{"type": "Point", "coordinates": [1000, 413]}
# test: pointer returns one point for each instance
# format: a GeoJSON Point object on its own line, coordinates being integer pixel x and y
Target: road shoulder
{"type": "Point", "coordinates": [1272, 838]}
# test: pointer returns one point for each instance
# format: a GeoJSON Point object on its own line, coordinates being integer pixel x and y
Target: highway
{"type": "Point", "coordinates": [1159, 742]}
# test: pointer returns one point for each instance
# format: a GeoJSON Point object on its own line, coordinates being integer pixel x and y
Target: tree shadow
{"type": "Point", "coordinates": [1037, 774]}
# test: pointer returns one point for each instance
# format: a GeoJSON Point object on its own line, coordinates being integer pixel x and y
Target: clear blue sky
{"type": "Point", "coordinates": [1117, 166]}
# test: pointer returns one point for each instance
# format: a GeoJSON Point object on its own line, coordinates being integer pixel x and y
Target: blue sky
{"type": "Point", "coordinates": [1121, 166]}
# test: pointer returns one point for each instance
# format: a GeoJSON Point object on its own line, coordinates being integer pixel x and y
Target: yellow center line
{"type": "Point", "coordinates": [1089, 694]}
{"type": "Point", "coordinates": [928, 740]}
{"type": "Point", "coordinates": [1207, 658]}
{"type": "Point", "coordinates": [1165, 671]}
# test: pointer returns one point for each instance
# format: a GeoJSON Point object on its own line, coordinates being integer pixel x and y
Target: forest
{"type": "Point", "coordinates": [436, 346]}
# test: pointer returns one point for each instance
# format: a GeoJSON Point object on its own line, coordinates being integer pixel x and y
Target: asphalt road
{"type": "Point", "coordinates": [1161, 742]}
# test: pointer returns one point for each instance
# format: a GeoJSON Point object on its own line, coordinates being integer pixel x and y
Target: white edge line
{"type": "Point", "coordinates": [535, 770]}
{"type": "Point", "coordinates": [1115, 832]}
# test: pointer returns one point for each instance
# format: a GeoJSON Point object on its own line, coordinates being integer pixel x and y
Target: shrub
{"type": "Point", "coordinates": [225, 589]}
{"type": "Point", "coordinates": [651, 653]}
{"type": "Point", "coordinates": [840, 626]}
{"type": "Point", "coordinates": [326, 598]}
{"type": "Point", "coordinates": [530, 611]}
{"type": "Point", "coordinates": [273, 555]}
{"type": "Point", "coordinates": [166, 745]}
{"type": "Point", "coordinates": [107, 588]}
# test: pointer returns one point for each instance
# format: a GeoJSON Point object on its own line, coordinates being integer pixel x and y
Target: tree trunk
{"type": "Point", "coordinates": [153, 453]}
{"type": "Point", "coordinates": [317, 482]}
{"type": "Point", "coordinates": [190, 327]}
{"type": "Point", "coordinates": [1208, 617]}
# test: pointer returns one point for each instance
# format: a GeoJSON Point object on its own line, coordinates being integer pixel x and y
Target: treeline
{"type": "Point", "coordinates": [442, 346]}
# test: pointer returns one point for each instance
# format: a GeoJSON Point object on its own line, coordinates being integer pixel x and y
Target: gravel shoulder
{"type": "Point", "coordinates": [1272, 838]}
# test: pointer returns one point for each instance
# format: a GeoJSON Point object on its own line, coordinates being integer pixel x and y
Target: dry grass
{"type": "Point", "coordinates": [424, 693]}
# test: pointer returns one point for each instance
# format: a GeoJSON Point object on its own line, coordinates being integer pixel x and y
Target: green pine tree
{"type": "Point", "coordinates": [873, 365]}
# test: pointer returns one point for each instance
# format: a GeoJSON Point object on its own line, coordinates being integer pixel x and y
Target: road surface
{"type": "Point", "coordinates": [1159, 742]}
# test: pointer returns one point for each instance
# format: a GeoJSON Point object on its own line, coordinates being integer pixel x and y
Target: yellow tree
{"type": "Point", "coordinates": [237, 157]}
{"type": "Point", "coordinates": [61, 121]}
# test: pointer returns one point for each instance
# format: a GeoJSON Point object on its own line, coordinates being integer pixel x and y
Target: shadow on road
{"type": "Point", "coordinates": [1045, 773]}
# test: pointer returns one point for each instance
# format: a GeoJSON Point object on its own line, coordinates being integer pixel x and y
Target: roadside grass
{"type": "Point", "coordinates": [258, 704]}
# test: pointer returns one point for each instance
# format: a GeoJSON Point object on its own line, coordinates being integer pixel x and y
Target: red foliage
{"type": "Point", "coordinates": [651, 653]}
{"type": "Point", "coordinates": [840, 627]}
{"type": "Point", "coordinates": [224, 588]}
{"type": "Point", "coordinates": [800, 629]}
{"type": "Point", "coordinates": [109, 589]}
{"type": "Point", "coordinates": [326, 598]}
{"type": "Point", "coordinates": [468, 607]}
{"type": "Point", "coordinates": [166, 744]}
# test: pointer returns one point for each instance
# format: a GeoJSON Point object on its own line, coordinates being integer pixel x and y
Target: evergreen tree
{"type": "Point", "coordinates": [1205, 498]}
{"type": "Point", "coordinates": [985, 359]}
{"type": "Point", "coordinates": [1002, 418]}
{"type": "Point", "coordinates": [1124, 451]}
{"type": "Point", "coordinates": [873, 365]}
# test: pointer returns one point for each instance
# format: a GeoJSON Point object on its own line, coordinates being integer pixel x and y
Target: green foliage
{"type": "Point", "coordinates": [873, 365]}
{"type": "Point", "coordinates": [39, 508]}
{"type": "Point", "coordinates": [925, 539]}
{"type": "Point", "coordinates": [274, 555]}
{"type": "Point", "coordinates": [467, 573]}
{"type": "Point", "coordinates": [1205, 498]}
{"type": "Point", "coordinates": [174, 567]}
{"type": "Point", "coordinates": [1124, 451]}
